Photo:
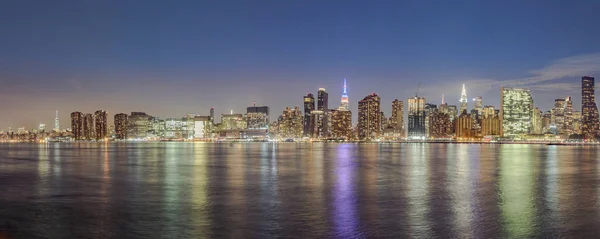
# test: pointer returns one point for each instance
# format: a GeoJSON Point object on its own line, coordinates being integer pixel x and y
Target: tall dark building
{"type": "Point", "coordinates": [257, 117]}
{"type": "Point", "coordinates": [397, 120]}
{"type": "Point", "coordinates": [257, 109]}
{"type": "Point", "coordinates": [322, 100]}
{"type": "Point", "coordinates": [309, 105]}
{"type": "Point", "coordinates": [589, 110]}
{"type": "Point", "coordinates": [77, 125]}
{"type": "Point", "coordinates": [416, 118]}
{"type": "Point", "coordinates": [88, 126]}
{"type": "Point", "coordinates": [369, 117]}
{"type": "Point", "coordinates": [212, 115]}
{"type": "Point", "coordinates": [121, 126]}
{"type": "Point", "coordinates": [101, 124]}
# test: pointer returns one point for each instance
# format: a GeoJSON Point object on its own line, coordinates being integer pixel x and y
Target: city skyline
{"type": "Point", "coordinates": [470, 105]}
{"type": "Point", "coordinates": [178, 60]}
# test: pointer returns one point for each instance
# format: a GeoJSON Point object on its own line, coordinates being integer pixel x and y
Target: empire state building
{"type": "Point", "coordinates": [344, 102]}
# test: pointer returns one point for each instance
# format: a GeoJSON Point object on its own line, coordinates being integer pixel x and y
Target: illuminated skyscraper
{"type": "Point", "coordinates": [490, 126]}
{"type": "Point", "coordinates": [322, 100]}
{"type": "Point", "coordinates": [341, 124]}
{"type": "Point", "coordinates": [429, 110]}
{"type": "Point", "coordinates": [440, 125]}
{"type": "Point", "coordinates": [453, 112]}
{"type": "Point", "coordinates": [138, 125]}
{"type": "Point", "coordinates": [344, 103]}
{"type": "Point", "coordinates": [589, 110]}
{"type": "Point", "coordinates": [463, 100]}
{"type": "Point", "coordinates": [558, 115]}
{"type": "Point", "coordinates": [369, 117]}
{"type": "Point", "coordinates": [257, 117]}
{"type": "Point", "coordinates": [464, 126]}
{"type": "Point", "coordinates": [569, 116]}
{"type": "Point", "coordinates": [291, 124]}
{"type": "Point", "coordinates": [121, 126]}
{"type": "Point", "coordinates": [77, 125]}
{"type": "Point", "coordinates": [516, 109]}
{"type": "Point", "coordinates": [318, 120]}
{"type": "Point", "coordinates": [88, 126]}
{"type": "Point", "coordinates": [56, 123]}
{"type": "Point", "coordinates": [309, 105]}
{"type": "Point", "coordinates": [546, 122]}
{"type": "Point", "coordinates": [101, 124]}
{"type": "Point", "coordinates": [478, 106]}
{"type": "Point", "coordinates": [416, 118]}
{"type": "Point", "coordinates": [488, 111]}
{"type": "Point", "coordinates": [397, 120]}
{"type": "Point", "coordinates": [536, 121]}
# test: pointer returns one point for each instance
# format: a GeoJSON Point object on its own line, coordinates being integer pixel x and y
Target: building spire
{"type": "Point", "coordinates": [463, 100]}
{"type": "Point", "coordinates": [344, 102]}
{"type": "Point", "coordinates": [442, 99]}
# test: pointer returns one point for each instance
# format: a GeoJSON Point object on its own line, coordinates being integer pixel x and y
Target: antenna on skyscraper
{"type": "Point", "coordinates": [418, 86]}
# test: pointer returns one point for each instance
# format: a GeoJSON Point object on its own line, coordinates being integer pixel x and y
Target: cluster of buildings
{"type": "Point", "coordinates": [517, 118]}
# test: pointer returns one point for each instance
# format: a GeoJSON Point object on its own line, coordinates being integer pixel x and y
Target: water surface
{"type": "Point", "coordinates": [321, 190]}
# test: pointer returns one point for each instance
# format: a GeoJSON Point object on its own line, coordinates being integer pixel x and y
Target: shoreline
{"type": "Point", "coordinates": [310, 142]}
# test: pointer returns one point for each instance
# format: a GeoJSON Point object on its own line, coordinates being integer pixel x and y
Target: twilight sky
{"type": "Point", "coordinates": [169, 58]}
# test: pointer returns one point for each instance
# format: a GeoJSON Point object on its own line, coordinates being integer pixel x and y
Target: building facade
{"type": "Point", "coordinates": [77, 125]}
{"type": "Point", "coordinates": [440, 125]}
{"type": "Point", "coordinates": [291, 123]}
{"type": "Point", "coordinates": [369, 117]}
{"type": "Point", "coordinates": [101, 124]}
{"type": "Point", "coordinates": [309, 105]}
{"type": "Point", "coordinates": [341, 124]}
{"type": "Point", "coordinates": [589, 110]}
{"type": "Point", "coordinates": [416, 118]}
{"type": "Point", "coordinates": [121, 126]}
{"type": "Point", "coordinates": [516, 108]}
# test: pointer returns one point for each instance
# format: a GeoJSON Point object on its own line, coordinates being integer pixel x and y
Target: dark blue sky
{"type": "Point", "coordinates": [168, 58]}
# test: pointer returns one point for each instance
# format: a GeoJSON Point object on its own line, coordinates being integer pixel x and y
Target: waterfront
{"type": "Point", "coordinates": [298, 190]}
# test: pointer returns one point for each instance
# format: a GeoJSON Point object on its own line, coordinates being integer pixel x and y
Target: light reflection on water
{"type": "Point", "coordinates": [320, 190]}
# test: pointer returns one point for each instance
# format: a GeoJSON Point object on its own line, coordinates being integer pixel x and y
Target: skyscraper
{"type": "Point", "coordinates": [88, 126]}
{"type": "Point", "coordinates": [101, 124]}
{"type": "Point", "coordinates": [369, 117]}
{"type": "Point", "coordinates": [569, 116]}
{"type": "Point", "coordinates": [318, 123]}
{"type": "Point", "coordinates": [464, 126]}
{"type": "Point", "coordinates": [463, 100]}
{"type": "Point", "coordinates": [488, 111]}
{"type": "Point", "coordinates": [589, 110]}
{"type": "Point", "coordinates": [77, 125]}
{"type": "Point", "coordinates": [341, 124]}
{"type": "Point", "coordinates": [121, 126]}
{"type": "Point", "coordinates": [429, 110]}
{"type": "Point", "coordinates": [291, 125]}
{"type": "Point", "coordinates": [558, 115]}
{"type": "Point", "coordinates": [344, 102]}
{"type": "Point", "coordinates": [440, 125]}
{"type": "Point", "coordinates": [416, 118]}
{"type": "Point", "coordinates": [309, 105]}
{"type": "Point", "coordinates": [138, 125]}
{"type": "Point", "coordinates": [478, 106]}
{"type": "Point", "coordinates": [536, 121]}
{"type": "Point", "coordinates": [257, 117]}
{"type": "Point", "coordinates": [397, 120]}
{"type": "Point", "coordinates": [212, 115]}
{"type": "Point", "coordinates": [56, 123]}
{"type": "Point", "coordinates": [322, 100]}
{"type": "Point", "coordinates": [515, 111]}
